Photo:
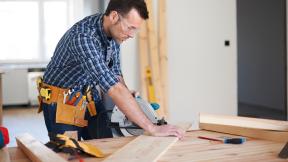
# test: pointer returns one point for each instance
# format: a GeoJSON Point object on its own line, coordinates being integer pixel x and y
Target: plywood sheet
{"type": "Point", "coordinates": [145, 148]}
{"type": "Point", "coordinates": [277, 136]}
{"type": "Point", "coordinates": [36, 151]}
{"type": "Point", "coordinates": [244, 122]}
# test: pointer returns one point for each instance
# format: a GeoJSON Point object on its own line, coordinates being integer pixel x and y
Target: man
{"type": "Point", "coordinates": [87, 58]}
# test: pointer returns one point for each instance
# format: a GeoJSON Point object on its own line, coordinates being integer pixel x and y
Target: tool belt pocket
{"type": "Point", "coordinates": [70, 114]}
{"type": "Point", "coordinates": [92, 108]}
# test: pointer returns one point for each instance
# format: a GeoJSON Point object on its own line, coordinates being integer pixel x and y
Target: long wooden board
{"type": "Point", "coordinates": [250, 127]}
{"type": "Point", "coordinates": [163, 54]}
{"type": "Point", "coordinates": [145, 148]}
{"type": "Point", "coordinates": [36, 151]}
{"type": "Point", "coordinates": [143, 58]}
{"type": "Point", "coordinates": [277, 136]}
{"type": "Point", "coordinates": [154, 58]}
{"type": "Point", "coordinates": [244, 122]}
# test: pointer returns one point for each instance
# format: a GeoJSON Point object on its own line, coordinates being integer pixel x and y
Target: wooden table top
{"type": "Point", "coordinates": [189, 149]}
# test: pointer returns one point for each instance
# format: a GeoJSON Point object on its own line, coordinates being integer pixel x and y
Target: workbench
{"type": "Point", "coordinates": [189, 149]}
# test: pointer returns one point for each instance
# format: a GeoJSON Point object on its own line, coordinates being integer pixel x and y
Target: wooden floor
{"type": "Point", "coordinates": [20, 120]}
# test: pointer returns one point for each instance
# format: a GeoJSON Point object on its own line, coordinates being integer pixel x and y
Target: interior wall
{"type": "Point", "coordinates": [92, 7]}
{"type": "Point", "coordinates": [202, 70]}
{"type": "Point", "coordinates": [129, 63]}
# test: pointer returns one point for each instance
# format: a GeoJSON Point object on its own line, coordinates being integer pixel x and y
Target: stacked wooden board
{"type": "Point", "coordinates": [250, 127]}
{"type": "Point", "coordinates": [153, 57]}
{"type": "Point", "coordinates": [35, 150]}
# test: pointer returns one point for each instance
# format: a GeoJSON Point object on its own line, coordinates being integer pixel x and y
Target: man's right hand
{"type": "Point", "coordinates": [166, 130]}
{"type": "Point", "coordinates": [122, 97]}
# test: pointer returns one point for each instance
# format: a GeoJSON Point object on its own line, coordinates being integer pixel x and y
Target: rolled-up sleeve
{"type": "Point", "coordinates": [87, 51]}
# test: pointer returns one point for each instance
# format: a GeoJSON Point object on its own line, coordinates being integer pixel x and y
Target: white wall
{"type": "Point", "coordinates": [91, 7]}
{"type": "Point", "coordinates": [129, 63]}
{"type": "Point", "coordinates": [202, 71]}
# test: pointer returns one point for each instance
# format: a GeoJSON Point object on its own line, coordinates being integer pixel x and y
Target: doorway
{"type": "Point", "coordinates": [262, 59]}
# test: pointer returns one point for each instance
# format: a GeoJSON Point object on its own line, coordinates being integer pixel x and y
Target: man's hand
{"type": "Point", "coordinates": [128, 105]}
{"type": "Point", "coordinates": [167, 130]}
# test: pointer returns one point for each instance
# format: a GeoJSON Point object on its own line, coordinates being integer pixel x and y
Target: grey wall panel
{"type": "Point", "coordinates": [262, 52]}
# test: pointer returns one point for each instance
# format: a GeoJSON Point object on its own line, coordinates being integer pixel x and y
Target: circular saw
{"type": "Point", "coordinates": [122, 126]}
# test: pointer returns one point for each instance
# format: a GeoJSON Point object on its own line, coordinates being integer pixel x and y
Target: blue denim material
{"type": "Point", "coordinates": [97, 125]}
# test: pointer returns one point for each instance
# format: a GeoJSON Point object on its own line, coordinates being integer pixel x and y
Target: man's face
{"type": "Point", "coordinates": [126, 26]}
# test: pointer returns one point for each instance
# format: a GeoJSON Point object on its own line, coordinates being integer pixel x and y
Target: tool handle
{"type": "Point", "coordinates": [239, 140]}
{"type": "Point", "coordinates": [234, 140]}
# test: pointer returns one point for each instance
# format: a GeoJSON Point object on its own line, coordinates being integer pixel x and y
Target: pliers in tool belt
{"type": "Point", "coordinates": [74, 98]}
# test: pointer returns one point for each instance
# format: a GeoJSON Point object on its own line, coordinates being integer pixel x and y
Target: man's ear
{"type": "Point", "coordinates": [113, 17]}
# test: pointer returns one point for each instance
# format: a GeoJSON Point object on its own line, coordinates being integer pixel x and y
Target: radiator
{"type": "Point", "coordinates": [15, 87]}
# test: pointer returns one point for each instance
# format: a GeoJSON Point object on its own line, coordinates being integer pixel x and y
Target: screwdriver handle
{"type": "Point", "coordinates": [234, 140]}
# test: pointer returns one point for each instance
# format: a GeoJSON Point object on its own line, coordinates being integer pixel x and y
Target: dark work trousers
{"type": "Point", "coordinates": [97, 125]}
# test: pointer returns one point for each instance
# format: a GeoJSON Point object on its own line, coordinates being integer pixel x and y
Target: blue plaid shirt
{"type": "Point", "coordinates": [85, 56]}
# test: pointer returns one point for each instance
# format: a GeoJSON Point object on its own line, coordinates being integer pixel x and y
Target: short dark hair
{"type": "Point", "coordinates": [124, 6]}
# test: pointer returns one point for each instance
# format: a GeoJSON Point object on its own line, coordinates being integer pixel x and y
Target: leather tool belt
{"type": "Point", "coordinates": [71, 105]}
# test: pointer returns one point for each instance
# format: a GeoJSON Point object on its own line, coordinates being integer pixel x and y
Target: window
{"type": "Point", "coordinates": [30, 29]}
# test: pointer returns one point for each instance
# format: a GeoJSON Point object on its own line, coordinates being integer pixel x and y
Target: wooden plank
{"type": "Point", "coordinates": [144, 148]}
{"type": "Point", "coordinates": [244, 122]}
{"type": "Point", "coordinates": [154, 58]}
{"type": "Point", "coordinates": [36, 151]}
{"type": "Point", "coordinates": [143, 59]}
{"type": "Point", "coordinates": [4, 155]}
{"type": "Point", "coordinates": [162, 41]}
{"type": "Point", "coordinates": [277, 136]}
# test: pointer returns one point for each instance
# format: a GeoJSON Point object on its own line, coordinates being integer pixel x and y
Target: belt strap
{"type": "Point", "coordinates": [55, 91]}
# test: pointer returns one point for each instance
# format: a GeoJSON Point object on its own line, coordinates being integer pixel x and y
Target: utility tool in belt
{"type": "Point", "coordinates": [91, 104]}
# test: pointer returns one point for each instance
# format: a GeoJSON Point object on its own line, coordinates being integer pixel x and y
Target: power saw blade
{"type": "Point", "coordinates": [126, 127]}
